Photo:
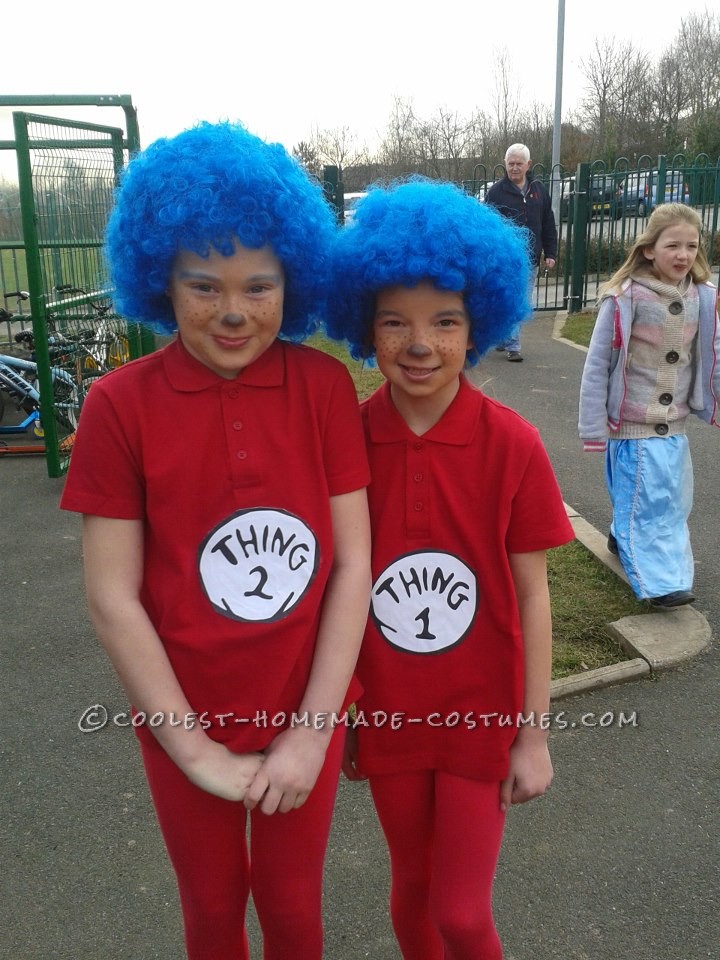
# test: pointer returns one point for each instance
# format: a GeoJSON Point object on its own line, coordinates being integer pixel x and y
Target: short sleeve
{"type": "Point", "coordinates": [346, 463]}
{"type": "Point", "coordinates": [104, 478]}
{"type": "Point", "coordinates": [538, 518]}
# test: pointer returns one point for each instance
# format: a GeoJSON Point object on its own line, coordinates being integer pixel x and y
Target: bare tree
{"type": "Point", "coordinates": [306, 153]}
{"type": "Point", "coordinates": [338, 147]}
{"type": "Point", "coordinates": [456, 135]}
{"type": "Point", "coordinates": [427, 149]}
{"type": "Point", "coordinates": [398, 144]}
{"type": "Point", "coordinates": [615, 76]}
{"type": "Point", "coordinates": [506, 100]}
{"type": "Point", "coordinates": [481, 149]}
{"type": "Point", "coordinates": [631, 107]}
{"type": "Point", "coordinates": [664, 103]}
{"type": "Point", "coordinates": [698, 48]}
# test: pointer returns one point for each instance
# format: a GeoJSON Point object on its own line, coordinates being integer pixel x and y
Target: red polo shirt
{"type": "Point", "coordinates": [233, 480]}
{"type": "Point", "coordinates": [442, 658]}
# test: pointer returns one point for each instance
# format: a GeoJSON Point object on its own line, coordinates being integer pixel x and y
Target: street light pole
{"type": "Point", "coordinates": [557, 125]}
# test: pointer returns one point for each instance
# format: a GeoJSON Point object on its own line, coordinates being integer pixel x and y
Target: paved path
{"type": "Point", "coordinates": [618, 862]}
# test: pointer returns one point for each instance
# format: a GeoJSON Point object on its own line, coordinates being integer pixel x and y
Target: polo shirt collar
{"type": "Point", "coordinates": [188, 375]}
{"type": "Point", "coordinates": [456, 427]}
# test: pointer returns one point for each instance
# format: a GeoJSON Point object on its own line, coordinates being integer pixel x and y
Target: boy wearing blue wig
{"type": "Point", "coordinates": [455, 662]}
{"type": "Point", "coordinates": [227, 556]}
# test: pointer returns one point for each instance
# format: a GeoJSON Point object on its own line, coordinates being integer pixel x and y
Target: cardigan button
{"type": "Point", "coordinates": [665, 399]}
{"type": "Point", "coordinates": [675, 307]}
{"type": "Point", "coordinates": [662, 429]}
{"type": "Point", "coordinates": [672, 356]}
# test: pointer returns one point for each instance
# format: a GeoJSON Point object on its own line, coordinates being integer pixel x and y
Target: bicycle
{"type": "Point", "coordinates": [104, 347]}
{"type": "Point", "coordinates": [100, 347]}
{"type": "Point", "coordinates": [19, 381]}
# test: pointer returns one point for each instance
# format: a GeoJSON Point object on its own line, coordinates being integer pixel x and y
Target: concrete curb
{"type": "Point", "coordinates": [658, 640]}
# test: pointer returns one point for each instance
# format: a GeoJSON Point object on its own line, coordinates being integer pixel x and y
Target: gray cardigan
{"type": "Point", "coordinates": [602, 390]}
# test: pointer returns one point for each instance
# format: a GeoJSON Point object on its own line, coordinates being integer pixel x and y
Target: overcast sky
{"type": "Point", "coordinates": [287, 68]}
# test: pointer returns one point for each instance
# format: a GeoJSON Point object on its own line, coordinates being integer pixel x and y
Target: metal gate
{"type": "Point", "coordinates": [67, 174]}
{"type": "Point", "coordinates": [599, 213]}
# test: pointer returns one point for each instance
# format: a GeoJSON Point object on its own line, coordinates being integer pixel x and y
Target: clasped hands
{"type": "Point", "coordinates": [278, 780]}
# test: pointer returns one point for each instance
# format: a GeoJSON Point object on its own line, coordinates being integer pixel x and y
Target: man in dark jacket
{"type": "Point", "coordinates": [526, 202]}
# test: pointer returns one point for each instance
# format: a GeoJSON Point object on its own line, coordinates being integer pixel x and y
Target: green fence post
{"type": "Point", "coordinates": [37, 296]}
{"type": "Point", "coordinates": [332, 176]}
{"type": "Point", "coordinates": [661, 181]}
{"type": "Point", "coordinates": [716, 210]}
{"type": "Point", "coordinates": [131, 126]}
{"type": "Point", "coordinates": [581, 206]}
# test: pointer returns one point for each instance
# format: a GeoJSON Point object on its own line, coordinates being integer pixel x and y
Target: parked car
{"type": "Point", "coordinates": [350, 201]}
{"type": "Point", "coordinates": [477, 188]}
{"type": "Point", "coordinates": [567, 190]}
{"type": "Point", "coordinates": [637, 192]}
{"type": "Point", "coordinates": [602, 194]}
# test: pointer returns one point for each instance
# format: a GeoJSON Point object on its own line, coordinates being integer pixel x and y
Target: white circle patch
{"type": "Point", "coordinates": [425, 602]}
{"type": "Point", "coordinates": [258, 564]}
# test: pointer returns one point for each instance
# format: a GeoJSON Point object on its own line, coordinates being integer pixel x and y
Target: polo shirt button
{"type": "Point", "coordinates": [418, 446]}
{"type": "Point", "coordinates": [661, 429]}
{"type": "Point", "coordinates": [418, 507]}
{"type": "Point", "coordinates": [234, 393]}
{"type": "Point", "coordinates": [672, 357]}
{"type": "Point", "coordinates": [675, 307]}
{"type": "Point", "coordinates": [241, 454]}
{"type": "Point", "coordinates": [665, 399]}
{"type": "Point", "coordinates": [237, 425]}
{"type": "Point", "coordinates": [418, 477]}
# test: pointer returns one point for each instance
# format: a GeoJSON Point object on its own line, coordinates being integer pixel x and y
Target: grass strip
{"type": "Point", "coordinates": [579, 327]}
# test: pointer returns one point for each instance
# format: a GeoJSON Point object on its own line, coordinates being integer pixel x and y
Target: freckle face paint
{"type": "Point", "coordinates": [421, 336]}
{"type": "Point", "coordinates": [228, 309]}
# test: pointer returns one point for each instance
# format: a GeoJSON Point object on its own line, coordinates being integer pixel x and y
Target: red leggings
{"type": "Point", "coordinates": [206, 840]}
{"type": "Point", "coordinates": [444, 834]}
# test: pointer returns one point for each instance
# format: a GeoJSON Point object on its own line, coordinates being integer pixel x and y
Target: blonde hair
{"type": "Point", "coordinates": [662, 217]}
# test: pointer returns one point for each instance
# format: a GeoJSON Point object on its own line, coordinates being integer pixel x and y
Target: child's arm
{"type": "Point", "coordinates": [530, 771]}
{"type": "Point", "coordinates": [113, 551]}
{"type": "Point", "coordinates": [594, 384]}
{"type": "Point", "coordinates": [295, 757]}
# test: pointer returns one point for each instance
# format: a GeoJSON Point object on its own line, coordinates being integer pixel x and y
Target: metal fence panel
{"type": "Point", "coordinates": [600, 210]}
{"type": "Point", "coordinates": [67, 174]}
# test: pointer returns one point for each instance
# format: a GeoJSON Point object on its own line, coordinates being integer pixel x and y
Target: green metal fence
{"type": "Point", "coordinates": [600, 210]}
{"type": "Point", "coordinates": [67, 174]}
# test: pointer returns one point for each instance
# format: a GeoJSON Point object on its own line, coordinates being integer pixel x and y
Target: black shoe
{"type": "Point", "coordinates": [676, 599]}
{"type": "Point", "coordinates": [500, 349]}
{"type": "Point", "coordinates": [514, 356]}
{"type": "Point", "coordinates": [612, 544]}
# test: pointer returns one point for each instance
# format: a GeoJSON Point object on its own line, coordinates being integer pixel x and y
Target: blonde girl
{"type": "Point", "coordinates": [652, 361]}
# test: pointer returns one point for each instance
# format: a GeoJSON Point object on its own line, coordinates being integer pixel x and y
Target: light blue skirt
{"type": "Point", "coordinates": [651, 488]}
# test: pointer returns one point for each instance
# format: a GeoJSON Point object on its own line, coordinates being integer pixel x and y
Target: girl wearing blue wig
{"type": "Point", "coordinates": [455, 662]}
{"type": "Point", "coordinates": [227, 558]}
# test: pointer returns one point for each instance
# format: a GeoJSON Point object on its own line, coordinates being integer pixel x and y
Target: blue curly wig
{"type": "Point", "coordinates": [426, 230]}
{"type": "Point", "coordinates": [211, 186]}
